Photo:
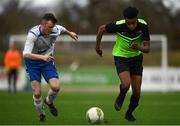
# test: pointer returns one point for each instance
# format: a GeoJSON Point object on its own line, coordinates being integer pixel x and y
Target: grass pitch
{"type": "Point", "coordinates": [154, 109]}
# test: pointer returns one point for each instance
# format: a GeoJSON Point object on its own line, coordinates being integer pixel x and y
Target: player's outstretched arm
{"type": "Point", "coordinates": [100, 33]}
{"type": "Point", "coordinates": [72, 34]}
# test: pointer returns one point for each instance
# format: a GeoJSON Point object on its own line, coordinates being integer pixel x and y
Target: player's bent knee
{"type": "Point", "coordinates": [55, 88]}
{"type": "Point", "coordinates": [125, 87]}
{"type": "Point", "coordinates": [54, 84]}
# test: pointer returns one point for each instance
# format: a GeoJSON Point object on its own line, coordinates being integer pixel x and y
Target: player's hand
{"type": "Point", "coordinates": [74, 36]}
{"type": "Point", "coordinates": [99, 52]}
{"type": "Point", "coordinates": [48, 58]}
{"type": "Point", "coordinates": [134, 46]}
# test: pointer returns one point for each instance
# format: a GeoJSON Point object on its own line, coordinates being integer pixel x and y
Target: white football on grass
{"type": "Point", "coordinates": [95, 115]}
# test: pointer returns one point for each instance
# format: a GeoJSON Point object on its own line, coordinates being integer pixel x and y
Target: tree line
{"type": "Point", "coordinates": [85, 20]}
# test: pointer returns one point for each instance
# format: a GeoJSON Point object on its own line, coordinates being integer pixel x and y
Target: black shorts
{"type": "Point", "coordinates": [133, 65]}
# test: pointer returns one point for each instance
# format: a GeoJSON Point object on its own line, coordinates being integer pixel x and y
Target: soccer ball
{"type": "Point", "coordinates": [95, 115]}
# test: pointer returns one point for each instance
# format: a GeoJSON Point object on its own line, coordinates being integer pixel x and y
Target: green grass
{"type": "Point", "coordinates": [154, 109]}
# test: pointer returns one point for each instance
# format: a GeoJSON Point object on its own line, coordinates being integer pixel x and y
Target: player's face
{"type": "Point", "coordinates": [47, 26]}
{"type": "Point", "coordinates": [131, 23]}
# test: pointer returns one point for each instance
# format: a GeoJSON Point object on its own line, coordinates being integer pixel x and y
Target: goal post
{"type": "Point", "coordinates": [164, 49]}
{"type": "Point", "coordinates": [155, 78]}
{"type": "Point", "coordinates": [106, 38]}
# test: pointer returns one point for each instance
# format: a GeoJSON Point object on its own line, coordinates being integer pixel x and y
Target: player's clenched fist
{"type": "Point", "coordinates": [99, 52]}
{"type": "Point", "coordinates": [48, 58]}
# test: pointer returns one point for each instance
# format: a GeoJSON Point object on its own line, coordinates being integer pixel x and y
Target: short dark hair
{"type": "Point", "coordinates": [130, 12]}
{"type": "Point", "coordinates": [49, 16]}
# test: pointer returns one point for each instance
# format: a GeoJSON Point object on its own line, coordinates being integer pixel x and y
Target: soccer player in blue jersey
{"type": "Point", "coordinates": [39, 60]}
{"type": "Point", "coordinates": [132, 40]}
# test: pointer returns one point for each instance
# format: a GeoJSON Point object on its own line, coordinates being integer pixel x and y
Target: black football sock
{"type": "Point", "coordinates": [122, 94]}
{"type": "Point", "coordinates": [120, 99]}
{"type": "Point", "coordinates": [134, 101]}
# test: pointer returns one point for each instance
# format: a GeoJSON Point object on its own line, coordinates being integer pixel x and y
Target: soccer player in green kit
{"type": "Point", "coordinates": [132, 40]}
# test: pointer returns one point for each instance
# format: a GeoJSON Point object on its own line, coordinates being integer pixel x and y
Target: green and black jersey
{"type": "Point", "coordinates": [125, 36]}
